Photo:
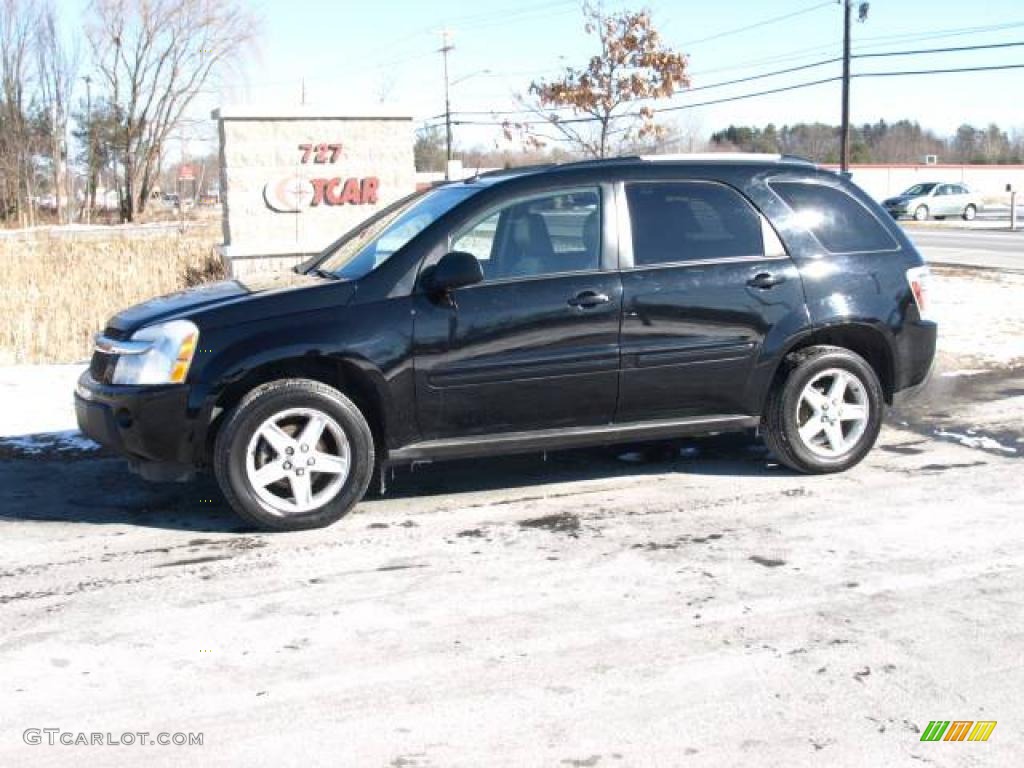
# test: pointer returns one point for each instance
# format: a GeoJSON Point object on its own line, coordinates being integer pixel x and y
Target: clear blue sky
{"type": "Point", "coordinates": [360, 52]}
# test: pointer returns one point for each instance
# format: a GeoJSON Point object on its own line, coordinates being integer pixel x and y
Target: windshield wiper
{"type": "Point", "coordinates": [323, 273]}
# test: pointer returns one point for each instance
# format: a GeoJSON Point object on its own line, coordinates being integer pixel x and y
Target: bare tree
{"type": "Point", "coordinates": [17, 168]}
{"type": "Point", "coordinates": [154, 57]}
{"type": "Point", "coordinates": [610, 97]}
{"type": "Point", "coordinates": [57, 66]}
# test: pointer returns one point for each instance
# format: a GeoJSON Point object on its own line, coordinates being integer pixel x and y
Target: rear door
{"type": "Point", "coordinates": [535, 345]}
{"type": "Point", "coordinates": [704, 282]}
{"type": "Point", "coordinates": [947, 201]}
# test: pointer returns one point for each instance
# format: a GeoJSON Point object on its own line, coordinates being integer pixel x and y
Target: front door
{"type": "Point", "coordinates": [535, 345]}
{"type": "Point", "coordinates": [708, 282]}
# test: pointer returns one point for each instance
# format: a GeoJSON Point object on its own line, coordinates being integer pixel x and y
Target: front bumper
{"type": "Point", "coordinates": [144, 423]}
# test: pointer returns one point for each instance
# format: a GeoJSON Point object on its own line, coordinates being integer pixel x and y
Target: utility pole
{"type": "Point", "coordinates": [446, 46]}
{"type": "Point", "coordinates": [89, 181]}
{"type": "Point", "coordinates": [844, 130]}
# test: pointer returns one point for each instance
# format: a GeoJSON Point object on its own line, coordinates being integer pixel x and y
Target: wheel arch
{"type": "Point", "coordinates": [357, 379]}
{"type": "Point", "coordinates": [865, 339]}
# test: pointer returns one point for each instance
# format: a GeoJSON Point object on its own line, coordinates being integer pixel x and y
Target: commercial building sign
{"type": "Point", "coordinates": [295, 192]}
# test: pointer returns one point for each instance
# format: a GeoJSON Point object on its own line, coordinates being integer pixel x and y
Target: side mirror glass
{"type": "Point", "coordinates": [456, 269]}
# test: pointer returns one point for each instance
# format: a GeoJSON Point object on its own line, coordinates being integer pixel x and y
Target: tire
{"type": "Point", "coordinates": [970, 212]}
{"type": "Point", "coordinates": [787, 411]}
{"type": "Point", "coordinates": [921, 213]}
{"type": "Point", "coordinates": [281, 411]}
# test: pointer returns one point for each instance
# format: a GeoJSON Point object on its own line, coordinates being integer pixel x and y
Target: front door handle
{"type": "Point", "coordinates": [588, 299]}
{"type": "Point", "coordinates": [765, 280]}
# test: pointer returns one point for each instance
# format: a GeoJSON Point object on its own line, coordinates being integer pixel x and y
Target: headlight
{"type": "Point", "coordinates": [166, 357]}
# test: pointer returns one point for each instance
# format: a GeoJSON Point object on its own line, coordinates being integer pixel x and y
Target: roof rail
{"type": "Point", "coordinates": [726, 157]}
{"type": "Point", "coordinates": [706, 157]}
{"type": "Point", "coordinates": [512, 171]}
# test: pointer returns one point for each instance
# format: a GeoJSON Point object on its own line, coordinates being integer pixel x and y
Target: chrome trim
{"type": "Point", "coordinates": [114, 347]}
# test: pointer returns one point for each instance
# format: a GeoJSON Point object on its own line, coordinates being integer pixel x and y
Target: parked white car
{"type": "Point", "coordinates": [935, 200]}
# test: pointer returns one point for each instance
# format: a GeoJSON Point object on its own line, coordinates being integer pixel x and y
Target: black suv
{"type": "Point", "coordinates": [526, 310]}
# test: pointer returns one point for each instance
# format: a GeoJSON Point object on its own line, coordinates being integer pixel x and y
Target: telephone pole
{"type": "Point", "coordinates": [844, 130]}
{"type": "Point", "coordinates": [446, 46]}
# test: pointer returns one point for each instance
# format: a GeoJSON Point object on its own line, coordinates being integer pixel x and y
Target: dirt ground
{"type": "Point", "coordinates": [685, 603]}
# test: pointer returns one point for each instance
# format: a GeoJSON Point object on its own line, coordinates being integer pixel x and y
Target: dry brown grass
{"type": "Point", "coordinates": [56, 293]}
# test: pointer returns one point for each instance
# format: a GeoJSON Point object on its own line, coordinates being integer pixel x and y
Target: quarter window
{"type": "Point", "coordinates": [840, 223]}
{"type": "Point", "coordinates": [535, 236]}
{"type": "Point", "coordinates": [690, 221]}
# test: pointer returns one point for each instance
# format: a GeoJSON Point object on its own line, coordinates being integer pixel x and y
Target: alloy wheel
{"type": "Point", "coordinates": [832, 413]}
{"type": "Point", "coordinates": [298, 460]}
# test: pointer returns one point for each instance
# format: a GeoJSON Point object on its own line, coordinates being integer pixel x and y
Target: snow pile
{"type": "Point", "coordinates": [38, 410]}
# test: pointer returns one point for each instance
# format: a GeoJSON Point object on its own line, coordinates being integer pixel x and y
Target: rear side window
{"type": "Point", "coordinates": [690, 221]}
{"type": "Point", "coordinates": [841, 224]}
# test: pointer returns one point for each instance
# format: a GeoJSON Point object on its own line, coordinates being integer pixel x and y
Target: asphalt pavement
{"type": "Point", "coordinates": [984, 248]}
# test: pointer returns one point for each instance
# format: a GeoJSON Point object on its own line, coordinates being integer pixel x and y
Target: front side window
{"type": "Point", "coordinates": [691, 221]}
{"type": "Point", "coordinates": [919, 189]}
{"type": "Point", "coordinates": [535, 236]}
{"type": "Point", "coordinates": [840, 223]}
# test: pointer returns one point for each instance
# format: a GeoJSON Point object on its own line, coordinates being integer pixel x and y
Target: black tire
{"type": "Point", "coordinates": [780, 426]}
{"type": "Point", "coordinates": [921, 213]}
{"type": "Point", "coordinates": [970, 212]}
{"type": "Point", "coordinates": [230, 452]}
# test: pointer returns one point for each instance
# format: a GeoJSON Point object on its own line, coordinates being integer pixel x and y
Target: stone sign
{"type": "Point", "coordinates": [294, 180]}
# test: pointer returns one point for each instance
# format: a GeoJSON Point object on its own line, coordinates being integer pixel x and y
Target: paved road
{"type": "Point", "coordinates": [976, 248]}
{"type": "Point", "coordinates": [698, 606]}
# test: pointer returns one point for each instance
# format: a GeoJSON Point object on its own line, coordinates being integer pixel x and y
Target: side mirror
{"type": "Point", "coordinates": [456, 269]}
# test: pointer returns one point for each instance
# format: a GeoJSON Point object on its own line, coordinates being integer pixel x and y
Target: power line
{"type": "Point", "coordinates": [767, 92]}
{"type": "Point", "coordinates": [956, 49]}
{"type": "Point", "coordinates": [860, 46]}
{"type": "Point", "coordinates": [756, 25]}
{"type": "Point", "coordinates": [775, 73]}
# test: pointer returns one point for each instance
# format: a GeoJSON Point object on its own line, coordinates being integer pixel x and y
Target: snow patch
{"type": "Point", "coordinates": [38, 412]}
{"type": "Point", "coordinates": [970, 441]}
{"type": "Point", "coordinates": [70, 440]}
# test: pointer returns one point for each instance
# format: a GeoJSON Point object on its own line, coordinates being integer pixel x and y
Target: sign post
{"type": "Point", "coordinates": [1013, 206]}
{"type": "Point", "coordinates": [186, 173]}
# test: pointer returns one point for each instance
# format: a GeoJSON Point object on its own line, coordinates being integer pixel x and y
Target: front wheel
{"type": "Point", "coordinates": [294, 454]}
{"type": "Point", "coordinates": [824, 411]}
{"type": "Point", "coordinates": [970, 212]}
{"type": "Point", "coordinates": [921, 213]}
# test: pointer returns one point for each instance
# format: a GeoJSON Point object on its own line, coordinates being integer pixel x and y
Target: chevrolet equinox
{"type": "Point", "coordinates": [525, 310]}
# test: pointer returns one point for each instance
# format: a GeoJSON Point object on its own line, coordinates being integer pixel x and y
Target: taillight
{"type": "Point", "coordinates": [919, 279]}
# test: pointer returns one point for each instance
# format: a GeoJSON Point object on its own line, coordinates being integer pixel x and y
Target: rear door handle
{"type": "Point", "coordinates": [587, 299]}
{"type": "Point", "coordinates": [765, 280]}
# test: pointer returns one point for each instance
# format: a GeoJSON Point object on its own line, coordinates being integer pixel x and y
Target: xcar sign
{"type": "Point", "coordinates": [293, 193]}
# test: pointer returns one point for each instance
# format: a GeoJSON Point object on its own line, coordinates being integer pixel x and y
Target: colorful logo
{"type": "Point", "coordinates": [958, 730]}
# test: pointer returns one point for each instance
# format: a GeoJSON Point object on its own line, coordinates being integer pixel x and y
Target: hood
{"type": "Point", "coordinates": [193, 301]}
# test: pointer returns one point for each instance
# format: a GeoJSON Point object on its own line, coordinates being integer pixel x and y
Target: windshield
{"type": "Point", "coordinates": [360, 252]}
{"type": "Point", "coordinates": [919, 189]}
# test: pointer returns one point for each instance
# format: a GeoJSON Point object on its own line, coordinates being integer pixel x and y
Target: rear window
{"type": "Point", "coordinates": [841, 224]}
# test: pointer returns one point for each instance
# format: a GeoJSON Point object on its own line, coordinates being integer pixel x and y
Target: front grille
{"type": "Point", "coordinates": [101, 367]}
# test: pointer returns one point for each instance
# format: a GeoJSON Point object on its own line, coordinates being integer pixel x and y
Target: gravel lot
{"type": "Point", "coordinates": [689, 603]}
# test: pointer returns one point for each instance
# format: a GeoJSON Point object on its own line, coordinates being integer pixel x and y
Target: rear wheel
{"type": "Point", "coordinates": [970, 212]}
{"type": "Point", "coordinates": [824, 411]}
{"type": "Point", "coordinates": [921, 213]}
{"type": "Point", "coordinates": [294, 454]}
